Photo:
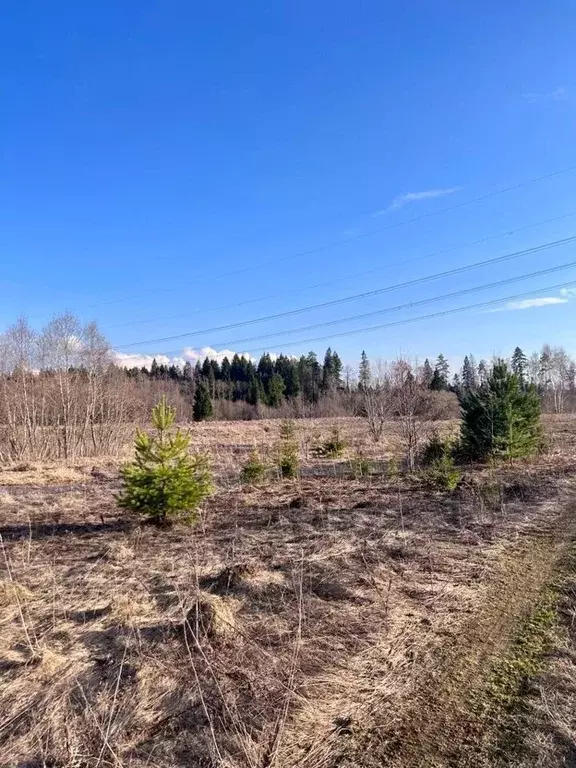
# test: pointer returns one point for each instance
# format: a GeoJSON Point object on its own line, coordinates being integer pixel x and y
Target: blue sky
{"type": "Point", "coordinates": [162, 162]}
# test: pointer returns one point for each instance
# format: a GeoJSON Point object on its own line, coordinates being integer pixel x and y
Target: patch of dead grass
{"type": "Point", "coordinates": [308, 619]}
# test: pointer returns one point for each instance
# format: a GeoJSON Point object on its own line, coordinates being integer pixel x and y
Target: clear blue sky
{"type": "Point", "coordinates": [149, 149]}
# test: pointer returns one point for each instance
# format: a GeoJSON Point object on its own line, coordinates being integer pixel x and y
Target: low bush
{"type": "Point", "coordinates": [443, 474]}
{"type": "Point", "coordinates": [287, 430]}
{"type": "Point", "coordinates": [333, 447]}
{"type": "Point", "coordinates": [436, 449]}
{"type": "Point", "coordinates": [254, 470]}
{"type": "Point", "coordinates": [288, 460]}
{"type": "Point", "coordinates": [288, 452]}
{"type": "Point", "coordinates": [392, 468]}
{"type": "Point", "coordinates": [360, 465]}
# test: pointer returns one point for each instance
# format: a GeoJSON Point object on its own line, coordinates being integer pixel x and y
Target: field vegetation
{"type": "Point", "coordinates": [393, 588]}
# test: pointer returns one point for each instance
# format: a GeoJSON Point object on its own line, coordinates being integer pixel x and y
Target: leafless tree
{"type": "Point", "coordinates": [555, 374]}
{"type": "Point", "coordinates": [377, 408]}
{"type": "Point", "coordinates": [411, 402]}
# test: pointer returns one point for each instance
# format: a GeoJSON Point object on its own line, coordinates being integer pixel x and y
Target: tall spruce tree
{"type": "Point", "coordinates": [254, 391]}
{"type": "Point", "coordinates": [469, 380]}
{"type": "Point", "coordinates": [225, 370]}
{"type": "Point", "coordinates": [364, 373]}
{"type": "Point", "coordinates": [427, 373]}
{"type": "Point", "coordinates": [202, 403]}
{"type": "Point", "coordinates": [457, 387]}
{"type": "Point", "coordinates": [187, 371]}
{"type": "Point", "coordinates": [520, 365]}
{"type": "Point", "coordinates": [331, 371]}
{"type": "Point", "coordinates": [482, 372]}
{"type": "Point", "coordinates": [275, 390]}
{"type": "Point", "coordinates": [501, 418]}
{"type": "Point", "coordinates": [443, 370]}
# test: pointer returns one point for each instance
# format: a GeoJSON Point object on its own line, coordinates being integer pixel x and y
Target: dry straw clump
{"type": "Point", "coordinates": [211, 617]}
{"type": "Point", "coordinates": [11, 593]}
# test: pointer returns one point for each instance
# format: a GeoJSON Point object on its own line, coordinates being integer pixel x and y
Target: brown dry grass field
{"type": "Point", "coordinates": [320, 622]}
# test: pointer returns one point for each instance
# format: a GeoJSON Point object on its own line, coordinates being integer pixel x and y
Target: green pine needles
{"type": "Point", "coordinates": [165, 482]}
{"type": "Point", "coordinates": [501, 418]}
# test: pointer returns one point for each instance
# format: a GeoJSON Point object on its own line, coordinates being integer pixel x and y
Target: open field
{"type": "Point", "coordinates": [327, 621]}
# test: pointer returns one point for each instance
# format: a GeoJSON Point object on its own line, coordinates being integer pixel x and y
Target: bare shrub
{"type": "Point", "coordinates": [377, 408]}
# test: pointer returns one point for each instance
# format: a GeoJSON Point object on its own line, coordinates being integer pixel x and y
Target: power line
{"type": "Point", "coordinates": [367, 294]}
{"type": "Point", "coordinates": [407, 305]}
{"type": "Point", "coordinates": [433, 254]}
{"type": "Point", "coordinates": [352, 238]}
{"type": "Point", "coordinates": [432, 316]}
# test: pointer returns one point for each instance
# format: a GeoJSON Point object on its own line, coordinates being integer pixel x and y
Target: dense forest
{"type": "Point", "coordinates": [273, 381]}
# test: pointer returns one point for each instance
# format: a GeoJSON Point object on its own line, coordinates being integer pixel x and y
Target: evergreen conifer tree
{"type": "Point", "coordinates": [364, 373]}
{"type": "Point", "coordinates": [427, 373]}
{"type": "Point", "coordinates": [202, 403]}
{"type": "Point", "coordinates": [275, 390]}
{"type": "Point", "coordinates": [226, 370]}
{"type": "Point", "coordinates": [254, 394]}
{"type": "Point", "coordinates": [520, 365]}
{"type": "Point", "coordinates": [206, 368]}
{"type": "Point", "coordinates": [469, 380]}
{"type": "Point", "coordinates": [187, 372]}
{"type": "Point", "coordinates": [501, 418]}
{"type": "Point", "coordinates": [443, 370]}
{"type": "Point", "coordinates": [482, 372]}
{"type": "Point", "coordinates": [457, 385]}
{"type": "Point", "coordinates": [437, 384]}
{"type": "Point", "coordinates": [164, 481]}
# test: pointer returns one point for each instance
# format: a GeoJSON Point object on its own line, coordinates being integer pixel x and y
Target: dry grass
{"type": "Point", "coordinates": [307, 623]}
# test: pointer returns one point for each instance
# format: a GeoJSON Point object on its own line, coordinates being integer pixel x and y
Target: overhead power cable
{"type": "Point", "coordinates": [350, 239]}
{"type": "Point", "coordinates": [397, 308]}
{"type": "Point", "coordinates": [353, 276]}
{"type": "Point", "coordinates": [364, 295]}
{"type": "Point", "coordinates": [420, 318]}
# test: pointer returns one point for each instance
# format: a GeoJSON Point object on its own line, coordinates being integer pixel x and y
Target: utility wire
{"type": "Point", "coordinates": [407, 305]}
{"type": "Point", "coordinates": [433, 254]}
{"type": "Point", "coordinates": [366, 294]}
{"type": "Point", "coordinates": [432, 316]}
{"type": "Point", "coordinates": [352, 238]}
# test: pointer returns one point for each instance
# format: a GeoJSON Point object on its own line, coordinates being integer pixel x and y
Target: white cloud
{"type": "Point", "coordinates": [569, 293]}
{"type": "Point", "coordinates": [558, 94]}
{"type": "Point", "coordinates": [200, 354]}
{"type": "Point", "coordinates": [127, 360]}
{"type": "Point", "coordinates": [139, 361]}
{"type": "Point", "coordinates": [542, 301]}
{"type": "Point", "coordinates": [415, 197]}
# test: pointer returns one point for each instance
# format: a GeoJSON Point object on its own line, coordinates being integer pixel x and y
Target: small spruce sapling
{"type": "Point", "coordinates": [254, 470]}
{"type": "Point", "coordinates": [288, 453]}
{"type": "Point", "coordinates": [165, 482]}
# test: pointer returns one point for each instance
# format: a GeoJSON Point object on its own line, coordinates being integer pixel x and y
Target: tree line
{"type": "Point", "coordinates": [63, 393]}
{"type": "Point", "coordinates": [270, 381]}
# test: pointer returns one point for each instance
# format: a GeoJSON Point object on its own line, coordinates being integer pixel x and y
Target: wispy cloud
{"type": "Point", "coordinates": [558, 94]}
{"type": "Point", "coordinates": [415, 197]}
{"type": "Point", "coordinates": [539, 301]}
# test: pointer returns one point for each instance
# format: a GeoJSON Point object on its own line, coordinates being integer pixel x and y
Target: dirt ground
{"type": "Point", "coordinates": [332, 620]}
